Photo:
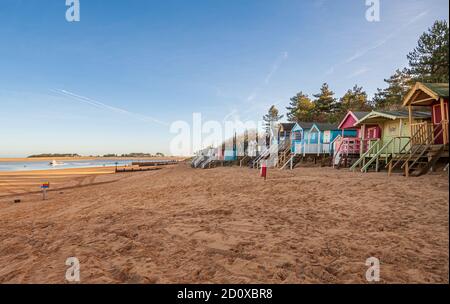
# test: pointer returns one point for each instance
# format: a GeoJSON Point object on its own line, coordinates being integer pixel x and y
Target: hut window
{"type": "Point", "coordinates": [392, 129]}
{"type": "Point", "coordinates": [297, 135]}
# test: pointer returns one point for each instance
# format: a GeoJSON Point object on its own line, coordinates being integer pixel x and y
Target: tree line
{"type": "Point", "coordinates": [428, 63]}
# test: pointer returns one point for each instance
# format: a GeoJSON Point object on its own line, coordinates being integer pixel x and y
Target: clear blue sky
{"type": "Point", "coordinates": [150, 63]}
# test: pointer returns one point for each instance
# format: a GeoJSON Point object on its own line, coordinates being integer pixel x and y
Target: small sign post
{"type": "Point", "coordinates": [44, 188]}
{"type": "Point", "coordinates": [264, 170]}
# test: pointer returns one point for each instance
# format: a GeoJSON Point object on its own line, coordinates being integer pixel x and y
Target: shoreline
{"type": "Point", "coordinates": [20, 183]}
{"type": "Point", "coordinates": [49, 159]}
{"type": "Point", "coordinates": [62, 171]}
{"type": "Point", "coordinates": [73, 159]}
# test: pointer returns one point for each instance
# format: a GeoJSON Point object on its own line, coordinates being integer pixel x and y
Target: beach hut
{"type": "Point", "coordinates": [299, 136]}
{"type": "Point", "coordinates": [432, 97]}
{"type": "Point", "coordinates": [349, 146]}
{"type": "Point", "coordinates": [284, 131]}
{"type": "Point", "coordinates": [276, 147]}
{"type": "Point", "coordinates": [316, 138]}
{"type": "Point", "coordinates": [309, 139]}
{"type": "Point", "coordinates": [388, 134]}
{"type": "Point", "coordinates": [230, 154]}
{"type": "Point", "coordinates": [429, 139]}
{"type": "Point", "coordinates": [204, 157]}
{"type": "Point", "coordinates": [284, 139]}
{"type": "Point", "coordinates": [329, 133]}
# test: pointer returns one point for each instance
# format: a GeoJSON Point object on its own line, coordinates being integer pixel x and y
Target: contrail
{"type": "Point", "coordinates": [103, 106]}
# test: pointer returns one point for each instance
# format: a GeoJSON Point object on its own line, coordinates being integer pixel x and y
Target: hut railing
{"type": "Point", "coordinates": [419, 136]}
{"type": "Point", "coordinates": [445, 133]}
{"type": "Point", "coordinates": [350, 145]}
{"type": "Point", "coordinates": [373, 149]}
{"type": "Point", "coordinates": [423, 133]}
{"type": "Point", "coordinates": [389, 150]}
{"type": "Point", "coordinates": [345, 146]}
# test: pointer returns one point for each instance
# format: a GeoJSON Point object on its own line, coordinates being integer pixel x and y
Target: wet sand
{"type": "Point", "coordinates": [226, 225]}
{"type": "Point", "coordinates": [17, 183]}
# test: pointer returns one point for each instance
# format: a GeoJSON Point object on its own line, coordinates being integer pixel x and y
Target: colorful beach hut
{"type": "Point", "coordinates": [316, 138]}
{"type": "Point", "coordinates": [300, 136]}
{"type": "Point", "coordinates": [429, 139]}
{"type": "Point", "coordinates": [285, 130]}
{"type": "Point", "coordinates": [330, 133]}
{"type": "Point", "coordinates": [349, 146]}
{"type": "Point", "coordinates": [431, 97]}
{"type": "Point", "coordinates": [388, 136]}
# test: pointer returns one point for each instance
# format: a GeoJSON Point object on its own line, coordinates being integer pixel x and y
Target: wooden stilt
{"type": "Point", "coordinates": [407, 169]}
{"type": "Point", "coordinates": [390, 169]}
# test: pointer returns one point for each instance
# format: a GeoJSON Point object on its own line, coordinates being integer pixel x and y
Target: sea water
{"type": "Point", "coordinates": [70, 164]}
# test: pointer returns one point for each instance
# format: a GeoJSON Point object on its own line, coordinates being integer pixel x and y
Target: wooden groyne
{"type": "Point", "coordinates": [154, 164]}
{"type": "Point", "coordinates": [126, 170]}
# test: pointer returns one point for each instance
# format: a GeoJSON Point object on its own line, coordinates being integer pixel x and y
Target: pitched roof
{"type": "Point", "coordinates": [305, 125]}
{"type": "Point", "coordinates": [395, 115]}
{"type": "Point", "coordinates": [287, 126]}
{"type": "Point", "coordinates": [360, 114]}
{"type": "Point", "coordinates": [440, 89]}
{"type": "Point", "coordinates": [324, 126]}
{"type": "Point", "coordinates": [424, 94]}
{"type": "Point", "coordinates": [405, 114]}
{"type": "Point", "coordinates": [357, 115]}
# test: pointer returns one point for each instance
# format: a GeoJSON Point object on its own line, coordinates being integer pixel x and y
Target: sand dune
{"type": "Point", "coordinates": [226, 225]}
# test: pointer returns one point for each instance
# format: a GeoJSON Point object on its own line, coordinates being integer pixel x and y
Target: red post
{"type": "Point", "coordinates": [264, 171]}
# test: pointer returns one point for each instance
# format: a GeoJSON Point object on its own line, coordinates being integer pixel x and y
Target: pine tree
{"type": "Point", "coordinates": [300, 108]}
{"type": "Point", "coordinates": [391, 98]}
{"type": "Point", "coordinates": [429, 60]}
{"type": "Point", "coordinates": [325, 105]}
{"type": "Point", "coordinates": [354, 100]}
{"type": "Point", "coordinates": [271, 117]}
{"type": "Point", "coordinates": [378, 99]}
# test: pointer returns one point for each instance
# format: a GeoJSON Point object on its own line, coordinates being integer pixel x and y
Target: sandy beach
{"type": "Point", "coordinates": [226, 225]}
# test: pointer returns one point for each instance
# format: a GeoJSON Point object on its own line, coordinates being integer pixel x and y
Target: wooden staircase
{"type": "Point", "coordinates": [422, 159]}
{"type": "Point", "coordinates": [422, 154]}
{"type": "Point", "coordinates": [284, 155]}
{"type": "Point", "coordinates": [292, 161]}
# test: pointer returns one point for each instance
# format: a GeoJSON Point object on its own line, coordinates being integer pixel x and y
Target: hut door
{"type": "Point", "coordinates": [437, 118]}
{"type": "Point", "coordinates": [372, 133]}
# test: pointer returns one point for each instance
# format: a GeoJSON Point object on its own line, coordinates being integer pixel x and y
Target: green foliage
{"type": "Point", "coordinates": [429, 61]}
{"type": "Point", "coordinates": [300, 108]}
{"type": "Point", "coordinates": [55, 155]}
{"type": "Point", "coordinates": [354, 100]}
{"type": "Point", "coordinates": [110, 155]}
{"type": "Point", "coordinates": [325, 105]}
{"type": "Point", "coordinates": [391, 98]}
{"type": "Point", "coordinates": [271, 117]}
